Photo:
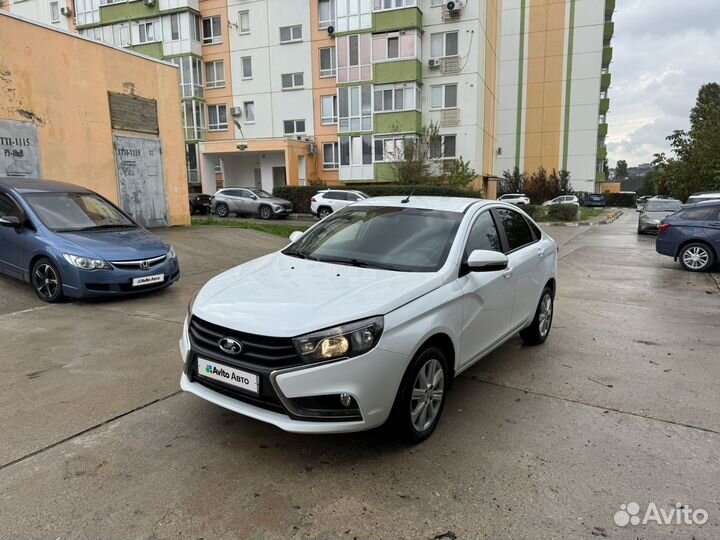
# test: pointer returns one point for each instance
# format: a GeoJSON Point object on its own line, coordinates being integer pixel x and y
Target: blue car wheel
{"type": "Point", "coordinates": [46, 281]}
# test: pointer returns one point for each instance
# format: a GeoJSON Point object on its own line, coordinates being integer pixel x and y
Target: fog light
{"type": "Point", "coordinates": [346, 400]}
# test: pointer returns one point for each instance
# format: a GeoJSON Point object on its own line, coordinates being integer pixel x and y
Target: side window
{"type": "Point", "coordinates": [483, 235]}
{"type": "Point", "coordinates": [535, 229]}
{"type": "Point", "coordinates": [699, 214]}
{"type": "Point", "coordinates": [341, 196]}
{"type": "Point", "coordinates": [330, 195]}
{"type": "Point", "coordinates": [517, 230]}
{"type": "Point", "coordinates": [8, 207]}
{"type": "Point", "coordinates": [244, 193]}
{"type": "Point", "coordinates": [352, 197]}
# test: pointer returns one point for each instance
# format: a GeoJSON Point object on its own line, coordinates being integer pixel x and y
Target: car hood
{"type": "Point", "coordinates": [275, 200]}
{"type": "Point", "coordinates": [114, 245]}
{"type": "Point", "coordinates": [278, 295]}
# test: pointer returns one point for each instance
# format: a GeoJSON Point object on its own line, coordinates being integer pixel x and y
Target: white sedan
{"type": "Point", "coordinates": [368, 316]}
{"type": "Point", "coordinates": [563, 199]}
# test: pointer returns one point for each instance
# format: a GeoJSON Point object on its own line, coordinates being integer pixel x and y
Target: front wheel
{"type": "Point", "coordinates": [46, 281]}
{"type": "Point", "coordinates": [324, 212]}
{"type": "Point", "coordinates": [265, 212]}
{"type": "Point", "coordinates": [222, 210]}
{"type": "Point", "coordinates": [421, 398]}
{"type": "Point", "coordinates": [697, 257]}
{"type": "Point", "coordinates": [538, 331]}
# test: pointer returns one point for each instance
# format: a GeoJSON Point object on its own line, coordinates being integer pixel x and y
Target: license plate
{"type": "Point", "coordinates": [147, 280]}
{"type": "Point", "coordinates": [228, 375]}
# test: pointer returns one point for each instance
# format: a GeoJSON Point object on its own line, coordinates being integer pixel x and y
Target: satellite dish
{"type": "Point", "coordinates": [331, 30]}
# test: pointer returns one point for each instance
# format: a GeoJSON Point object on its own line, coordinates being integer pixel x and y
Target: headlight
{"type": "Point", "coordinates": [171, 254]}
{"type": "Point", "coordinates": [343, 341]}
{"type": "Point", "coordinates": [277, 207]}
{"type": "Point", "coordinates": [85, 263]}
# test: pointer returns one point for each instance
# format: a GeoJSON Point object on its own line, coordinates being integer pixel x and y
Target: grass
{"type": "Point", "coordinates": [278, 229]}
{"type": "Point", "coordinates": [587, 214]}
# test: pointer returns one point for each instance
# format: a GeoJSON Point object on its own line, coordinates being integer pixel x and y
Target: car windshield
{"type": "Point", "coordinates": [662, 206]}
{"type": "Point", "coordinates": [262, 194]}
{"type": "Point", "coordinates": [65, 212]}
{"type": "Point", "coordinates": [401, 239]}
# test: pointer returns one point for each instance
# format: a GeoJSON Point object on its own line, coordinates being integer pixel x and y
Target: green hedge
{"type": "Point", "coordinates": [300, 196]}
{"type": "Point", "coordinates": [624, 200]}
{"type": "Point", "coordinates": [535, 211]}
{"type": "Point", "coordinates": [562, 212]}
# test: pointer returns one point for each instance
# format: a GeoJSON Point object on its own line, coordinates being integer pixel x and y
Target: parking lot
{"type": "Point", "coordinates": [620, 405]}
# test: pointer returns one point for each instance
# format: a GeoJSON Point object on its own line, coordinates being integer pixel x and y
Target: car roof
{"type": "Point", "coordinates": [703, 204]}
{"type": "Point", "coordinates": [338, 189]}
{"type": "Point", "coordinates": [37, 185]}
{"type": "Point", "coordinates": [448, 204]}
{"type": "Point", "coordinates": [706, 195]}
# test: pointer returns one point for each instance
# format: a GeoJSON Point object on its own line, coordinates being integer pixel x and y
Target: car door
{"type": "Point", "coordinates": [13, 241]}
{"type": "Point", "coordinates": [487, 297]}
{"type": "Point", "coordinates": [338, 200]}
{"type": "Point", "coordinates": [525, 254]}
{"type": "Point", "coordinates": [246, 201]}
{"type": "Point", "coordinates": [351, 198]}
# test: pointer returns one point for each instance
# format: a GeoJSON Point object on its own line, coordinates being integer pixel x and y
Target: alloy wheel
{"type": "Point", "coordinates": [46, 281]}
{"type": "Point", "coordinates": [427, 395]}
{"type": "Point", "coordinates": [265, 212]}
{"type": "Point", "coordinates": [545, 315]}
{"type": "Point", "coordinates": [696, 257]}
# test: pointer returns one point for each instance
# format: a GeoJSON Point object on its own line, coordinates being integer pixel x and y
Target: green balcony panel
{"type": "Point", "coordinates": [151, 49]}
{"type": "Point", "coordinates": [384, 172]}
{"type": "Point", "coordinates": [401, 71]}
{"type": "Point", "coordinates": [127, 11]}
{"type": "Point", "coordinates": [607, 56]}
{"type": "Point", "coordinates": [600, 177]}
{"type": "Point", "coordinates": [602, 130]}
{"type": "Point", "coordinates": [602, 153]}
{"type": "Point", "coordinates": [604, 105]}
{"type": "Point", "coordinates": [605, 80]}
{"type": "Point", "coordinates": [397, 19]}
{"type": "Point", "coordinates": [609, 7]}
{"type": "Point", "coordinates": [400, 122]}
{"type": "Point", "coordinates": [609, 29]}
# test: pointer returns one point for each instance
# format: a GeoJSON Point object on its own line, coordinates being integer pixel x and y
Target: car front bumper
{"type": "Point", "coordinates": [371, 379]}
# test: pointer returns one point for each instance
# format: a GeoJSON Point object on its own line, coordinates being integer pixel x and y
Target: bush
{"type": "Point", "coordinates": [624, 200]}
{"type": "Point", "coordinates": [562, 212]}
{"type": "Point", "coordinates": [535, 211]}
{"type": "Point", "coordinates": [300, 196]}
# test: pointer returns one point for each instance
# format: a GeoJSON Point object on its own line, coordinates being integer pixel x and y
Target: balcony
{"type": "Point", "coordinates": [399, 71]}
{"type": "Point", "coordinates": [604, 105]}
{"type": "Point", "coordinates": [605, 80]}
{"type": "Point", "coordinates": [125, 11]}
{"type": "Point", "coordinates": [602, 130]}
{"type": "Point", "coordinates": [397, 19]}
{"type": "Point", "coordinates": [150, 49]}
{"type": "Point", "coordinates": [599, 177]}
{"type": "Point", "coordinates": [607, 56]}
{"type": "Point", "coordinates": [398, 122]}
{"type": "Point", "coordinates": [609, 30]}
{"type": "Point", "coordinates": [602, 153]}
{"type": "Point", "coordinates": [609, 7]}
{"type": "Point", "coordinates": [384, 172]}
{"type": "Point", "coordinates": [450, 117]}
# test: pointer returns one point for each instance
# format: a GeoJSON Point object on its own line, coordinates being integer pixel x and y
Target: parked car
{"type": "Point", "coordinates": [249, 202]}
{"type": "Point", "coordinates": [654, 211]}
{"type": "Point", "coordinates": [66, 240]}
{"type": "Point", "coordinates": [515, 198]}
{"type": "Point", "coordinates": [642, 200]}
{"type": "Point", "coordinates": [692, 236]}
{"type": "Point", "coordinates": [563, 199]}
{"type": "Point", "coordinates": [200, 203]}
{"type": "Point", "coordinates": [369, 315]}
{"type": "Point", "coordinates": [327, 201]}
{"type": "Point", "coordinates": [704, 196]}
{"type": "Point", "coordinates": [595, 200]}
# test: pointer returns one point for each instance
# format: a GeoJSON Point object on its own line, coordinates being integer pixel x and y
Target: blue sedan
{"type": "Point", "coordinates": [692, 236]}
{"type": "Point", "coordinates": [68, 241]}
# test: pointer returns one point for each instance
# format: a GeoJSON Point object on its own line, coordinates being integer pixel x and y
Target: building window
{"type": "Point", "coordinates": [215, 74]}
{"type": "Point", "coordinates": [443, 44]}
{"type": "Point", "coordinates": [396, 97]}
{"type": "Point", "coordinates": [191, 83]}
{"type": "Point", "coordinates": [437, 2]}
{"type": "Point", "coordinates": [212, 30]}
{"type": "Point", "coordinates": [294, 127]}
{"type": "Point", "coordinates": [193, 120]}
{"type": "Point", "coordinates": [331, 157]}
{"type": "Point", "coordinates": [54, 12]}
{"type": "Point", "coordinates": [217, 118]}
{"type": "Point", "coordinates": [249, 107]}
{"type": "Point", "coordinates": [381, 5]}
{"type": "Point", "coordinates": [174, 26]}
{"type": "Point", "coordinates": [87, 11]}
{"type": "Point", "coordinates": [147, 32]}
{"type": "Point", "coordinates": [443, 96]}
{"type": "Point", "coordinates": [291, 81]}
{"type": "Point", "coordinates": [217, 169]}
{"type": "Point", "coordinates": [356, 150]}
{"type": "Point", "coordinates": [395, 46]}
{"type": "Point", "coordinates": [329, 110]}
{"type": "Point", "coordinates": [355, 108]}
{"type": "Point", "coordinates": [327, 62]}
{"type": "Point", "coordinates": [244, 22]}
{"type": "Point", "coordinates": [354, 58]}
{"type": "Point", "coordinates": [246, 63]}
{"type": "Point", "coordinates": [353, 15]}
{"type": "Point", "coordinates": [326, 9]}
{"type": "Point", "coordinates": [194, 27]}
{"type": "Point", "coordinates": [443, 147]}
{"type": "Point", "coordinates": [389, 149]}
{"type": "Point", "coordinates": [290, 34]}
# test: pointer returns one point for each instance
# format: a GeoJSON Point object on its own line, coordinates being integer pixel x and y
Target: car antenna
{"type": "Point", "coordinates": [407, 199]}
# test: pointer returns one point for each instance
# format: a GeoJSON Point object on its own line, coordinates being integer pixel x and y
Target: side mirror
{"type": "Point", "coordinates": [253, 197]}
{"type": "Point", "coordinates": [295, 236]}
{"type": "Point", "coordinates": [638, 209]}
{"type": "Point", "coordinates": [10, 221]}
{"type": "Point", "coordinates": [483, 260]}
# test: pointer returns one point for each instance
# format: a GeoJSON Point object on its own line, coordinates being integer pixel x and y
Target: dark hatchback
{"type": "Point", "coordinates": [200, 203]}
{"type": "Point", "coordinates": [66, 240]}
{"type": "Point", "coordinates": [595, 200]}
{"type": "Point", "coordinates": [692, 236]}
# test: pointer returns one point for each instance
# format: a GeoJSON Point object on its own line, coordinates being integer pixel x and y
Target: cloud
{"type": "Point", "coordinates": [663, 51]}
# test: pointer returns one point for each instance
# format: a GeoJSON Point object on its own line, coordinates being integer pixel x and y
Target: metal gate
{"type": "Point", "coordinates": [141, 184]}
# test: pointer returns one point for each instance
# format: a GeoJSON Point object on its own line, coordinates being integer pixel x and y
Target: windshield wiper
{"type": "Point", "coordinates": [360, 264]}
{"type": "Point", "coordinates": [300, 255]}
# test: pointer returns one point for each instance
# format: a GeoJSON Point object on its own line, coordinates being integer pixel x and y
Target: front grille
{"type": "Point", "coordinates": [257, 351]}
{"type": "Point", "coordinates": [140, 264]}
{"type": "Point", "coordinates": [287, 206]}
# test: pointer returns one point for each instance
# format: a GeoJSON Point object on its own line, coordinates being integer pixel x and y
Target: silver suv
{"type": "Point", "coordinates": [249, 202]}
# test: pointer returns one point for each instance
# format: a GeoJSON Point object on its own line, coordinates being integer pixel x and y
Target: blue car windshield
{"type": "Point", "coordinates": [69, 212]}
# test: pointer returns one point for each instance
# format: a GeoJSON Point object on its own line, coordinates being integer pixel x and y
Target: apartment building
{"type": "Point", "coordinates": [554, 81]}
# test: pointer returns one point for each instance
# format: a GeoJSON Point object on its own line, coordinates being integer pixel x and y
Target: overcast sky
{"type": "Point", "coordinates": [663, 51]}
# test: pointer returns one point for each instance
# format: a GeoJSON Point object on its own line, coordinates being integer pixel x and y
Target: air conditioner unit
{"type": "Point", "coordinates": [235, 111]}
{"type": "Point", "coordinates": [66, 11]}
{"type": "Point", "coordinates": [312, 149]}
{"type": "Point", "coordinates": [331, 30]}
{"type": "Point", "coordinates": [455, 5]}
{"type": "Point", "coordinates": [434, 63]}
{"type": "Point", "coordinates": [149, 3]}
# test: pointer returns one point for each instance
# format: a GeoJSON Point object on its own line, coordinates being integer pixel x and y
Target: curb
{"type": "Point", "coordinates": [565, 223]}
{"type": "Point", "coordinates": [611, 217]}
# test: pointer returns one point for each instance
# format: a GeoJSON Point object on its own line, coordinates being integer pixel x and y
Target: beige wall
{"type": "Point", "coordinates": [61, 81]}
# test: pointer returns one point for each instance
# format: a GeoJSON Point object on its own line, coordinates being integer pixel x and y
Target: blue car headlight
{"type": "Point", "coordinates": [171, 255]}
{"type": "Point", "coordinates": [86, 263]}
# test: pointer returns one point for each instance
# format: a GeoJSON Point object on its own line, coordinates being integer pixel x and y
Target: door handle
{"type": "Point", "coordinates": [541, 252]}
{"type": "Point", "coordinates": [507, 274]}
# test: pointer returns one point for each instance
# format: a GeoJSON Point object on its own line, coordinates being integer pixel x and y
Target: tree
{"type": "Point", "coordinates": [461, 173]}
{"type": "Point", "coordinates": [512, 182]}
{"type": "Point", "coordinates": [411, 160]}
{"type": "Point", "coordinates": [621, 169]}
{"type": "Point", "coordinates": [565, 185]}
{"type": "Point", "coordinates": [540, 187]}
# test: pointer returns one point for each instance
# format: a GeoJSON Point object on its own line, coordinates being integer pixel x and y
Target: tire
{"type": "Point", "coordinates": [324, 212]}
{"type": "Point", "coordinates": [46, 281]}
{"type": "Point", "coordinates": [539, 330]}
{"type": "Point", "coordinates": [640, 231]}
{"type": "Point", "coordinates": [409, 416]}
{"type": "Point", "coordinates": [265, 212]}
{"type": "Point", "coordinates": [222, 210]}
{"type": "Point", "coordinates": [697, 257]}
